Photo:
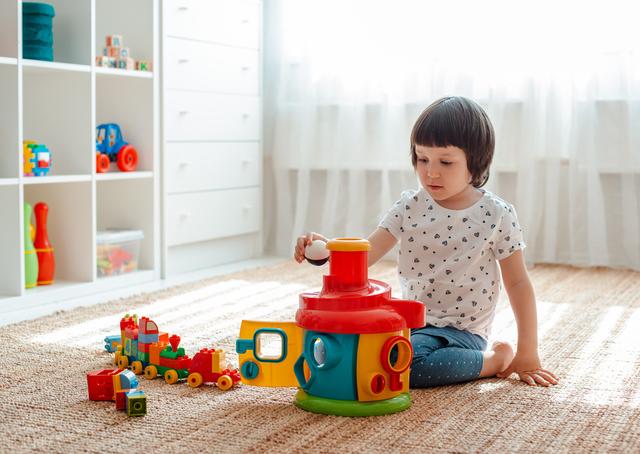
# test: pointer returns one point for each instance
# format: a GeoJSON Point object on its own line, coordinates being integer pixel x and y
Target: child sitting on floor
{"type": "Point", "coordinates": [453, 235]}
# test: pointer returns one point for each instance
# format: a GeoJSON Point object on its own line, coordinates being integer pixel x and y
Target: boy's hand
{"type": "Point", "coordinates": [304, 241]}
{"type": "Point", "coordinates": [529, 370]}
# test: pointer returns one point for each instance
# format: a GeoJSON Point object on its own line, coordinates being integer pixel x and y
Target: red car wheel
{"type": "Point", "coordinates": [102, 163]}
{"type": "Point", "coordinates": [127, 158]}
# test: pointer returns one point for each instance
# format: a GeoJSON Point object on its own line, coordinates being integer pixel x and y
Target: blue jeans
{"type": "Point", "coordinates": [443, 356]}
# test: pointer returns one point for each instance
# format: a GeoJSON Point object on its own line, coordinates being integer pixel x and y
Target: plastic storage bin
{"type": "Point", "coordinates": [118, 251]}
{"type": "Point", "coordinates": [37, 31]}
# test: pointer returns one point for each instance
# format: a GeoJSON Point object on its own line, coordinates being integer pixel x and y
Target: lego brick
{"type": "Point", "coordinates": [100, 384]}
{"type": "Point", "coordinates": [154, 353]}
{"type": "Point", "coordinates": [121, 400]}
{"type": "Point", "coordinates": [147, 338]}
{"type": "Point", "coordinates": [125, 380]}
{"type": "Point", "coordinates": [136, 403]}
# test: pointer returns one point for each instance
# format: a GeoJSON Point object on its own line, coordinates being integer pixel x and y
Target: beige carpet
{"type": "Point", "coordinates": [589, 332]}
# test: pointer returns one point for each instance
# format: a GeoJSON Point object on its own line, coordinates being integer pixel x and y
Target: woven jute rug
{"type": "Point", "coordinates": [589, 336]}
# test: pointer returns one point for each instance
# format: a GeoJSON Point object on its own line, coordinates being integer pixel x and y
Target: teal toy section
{"type": "Point", "coordinates": [332, 362]}
{"type": "Point", "coordinates": [37, 31]}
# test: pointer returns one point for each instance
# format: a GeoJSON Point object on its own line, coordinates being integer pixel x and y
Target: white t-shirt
{"type": "Point", "coordinates": [448, 259]}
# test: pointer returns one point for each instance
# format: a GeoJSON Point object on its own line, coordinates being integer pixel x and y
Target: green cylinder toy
{"type": "Point", "coordinates": [30, 257]}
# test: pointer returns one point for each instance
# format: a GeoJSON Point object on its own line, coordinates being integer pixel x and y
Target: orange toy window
{"type": "Point", "coordinates": [402, 354]}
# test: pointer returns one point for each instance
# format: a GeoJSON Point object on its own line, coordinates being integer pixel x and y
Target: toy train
{"type": "Point", "coordinates": [146, 350]}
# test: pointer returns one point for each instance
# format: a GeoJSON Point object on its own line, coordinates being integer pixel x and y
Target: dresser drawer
{"type": "Point", "coordinates": [204, 216]}
{"type": "Point", "coordinates": [208, 165]}
{"type": "Point", "coordinates": [195, 65]}
{"type": "Point", "coordinates": [231, 22]}
{"type": "Point", "coordinates": [199, 116]}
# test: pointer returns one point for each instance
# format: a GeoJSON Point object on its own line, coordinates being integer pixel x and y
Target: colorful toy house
{"type": "Point", "coordinates": [348, 350]}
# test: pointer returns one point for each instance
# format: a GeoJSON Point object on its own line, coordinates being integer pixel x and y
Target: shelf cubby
{"type": "Point", "coordinates": [57, 113]}
{"type": "Point", "coordinates": [70, 229]}
{"type": "Point", "coordinates": [129, 103]}
{"type": "Point", "coordinates": [10, 242]}
{"type": "Point", "coordinates": [131, 20]}
{"type": "Point", "coordinates": [9, 142]}
{"type": "Point", "coordinates": [124, 204]}
{"type": "Point", "coordinates": [8, 30]}
{"type": "Point", "coordinates": [72, 31]}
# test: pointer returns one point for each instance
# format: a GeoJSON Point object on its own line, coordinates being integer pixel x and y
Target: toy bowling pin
{"type": "Point", "coordinates": [30, 257]}
{"type": "Point", "coordinates": [46, 261]}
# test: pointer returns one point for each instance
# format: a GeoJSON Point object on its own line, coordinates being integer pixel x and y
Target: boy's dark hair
{"type": "Point", "coordinates": [459, 122]}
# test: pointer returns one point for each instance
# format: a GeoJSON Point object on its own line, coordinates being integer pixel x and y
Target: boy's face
{"type": "Point", "coordinates": [443, 171]}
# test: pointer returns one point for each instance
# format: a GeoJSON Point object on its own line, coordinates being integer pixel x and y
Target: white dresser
{"type": "Point", "coordinates": [212, 129]}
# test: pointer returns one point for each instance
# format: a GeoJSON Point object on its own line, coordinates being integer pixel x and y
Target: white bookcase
{"type": "Point", "coordinates": [59, 104]}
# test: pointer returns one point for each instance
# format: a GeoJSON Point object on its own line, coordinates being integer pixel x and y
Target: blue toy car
{"type": "Point", "coordinates": [111, 147]}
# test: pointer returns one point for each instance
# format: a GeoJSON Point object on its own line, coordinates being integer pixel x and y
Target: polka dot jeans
{"type": "Point", "coordinates": [442, 356]}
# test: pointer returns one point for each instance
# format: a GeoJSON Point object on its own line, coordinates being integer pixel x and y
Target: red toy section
{"type": "Point", "coordinates": [350, 302]}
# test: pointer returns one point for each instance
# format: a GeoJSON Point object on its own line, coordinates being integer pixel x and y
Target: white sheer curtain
{"type": "Point", "coordinates": [345, 80]}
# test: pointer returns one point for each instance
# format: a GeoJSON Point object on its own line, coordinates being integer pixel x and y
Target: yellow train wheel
{"type": "Point", "coordinates": [150, 372]}
{"type": "Point", "coordinates": [171, 376]}
{"type": "Point", "coordinates": [136, 367]}
{"type": "Point", "coordinates": [123, 362]}
{"type": "Point", "coordinates": [224, 382]}
{"type": "Point", "coordinates": [194, 379]}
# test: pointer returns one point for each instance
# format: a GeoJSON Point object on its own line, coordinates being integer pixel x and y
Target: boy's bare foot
{"type": "Point", "coordinates": [497, 359]}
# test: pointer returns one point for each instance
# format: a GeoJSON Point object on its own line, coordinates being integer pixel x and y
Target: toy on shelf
{"type": "Point", "coordinates": [44, 250]}
{"type": "Point", "coordinates": [120, 386]}
{"type": "Point", "coordinates": [348, 350]}
{"type": "Point", "coordinates": [115, 55]}
{"type": "Point", "coordinates": [147, 350]}
{"type": "Point", "coordinates": [30, 257]}
{"type": "Point", "coordinates": [36, 159]}
{"type": "Point", "coordinates": [37, 31]}
{"type": "Point", "coordinates": [118, 251]}
{"type": "Point", "coordinates": [111, 147]}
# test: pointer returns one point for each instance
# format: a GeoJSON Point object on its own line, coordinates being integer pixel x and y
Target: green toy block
{"type": "Point", "coordinates": [136, 403]}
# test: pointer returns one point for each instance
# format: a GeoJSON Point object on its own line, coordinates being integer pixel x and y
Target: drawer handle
{"type": "Point", "coordinates": [185, 215]}
{"type": "Point", "coordinates": [245, 115]}
{"type": "Point", "coordinates": [245, 68]}
{"type": "Point", "coordinates": [183, 112]}
{"type": "Point", "coordinates": [185, 164]}
{"type": "Point", "coordinates": [183, 8]}
{"type": "Point", "coordinates": [183, 60]}
{"type": "Point", "coordinates": [246, 208]}
{"type": "Point", "coordinates": [245, 21]}
{"type": "Point", "coordinates": [246, 162]}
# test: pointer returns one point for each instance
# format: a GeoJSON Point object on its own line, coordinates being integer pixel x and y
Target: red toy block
{"type": "Point", "coordinates": [100, 384]}
{"type": "Point", "coordinates": [121, 400]}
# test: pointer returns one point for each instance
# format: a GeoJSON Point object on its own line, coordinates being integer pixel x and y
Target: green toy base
{"type": "Point", "coordinates": [351, 408]}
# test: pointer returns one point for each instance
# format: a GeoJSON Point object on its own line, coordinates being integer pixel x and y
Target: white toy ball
{"type": "Point", "coordinates": [317, 253]}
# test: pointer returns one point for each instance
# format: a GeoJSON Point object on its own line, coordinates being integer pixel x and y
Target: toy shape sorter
{"type": "Point", "coordinates": [348, 350]}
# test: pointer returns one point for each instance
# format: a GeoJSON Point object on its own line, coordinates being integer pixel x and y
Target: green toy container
{"type": "Point", "coordinates": [37, 31]}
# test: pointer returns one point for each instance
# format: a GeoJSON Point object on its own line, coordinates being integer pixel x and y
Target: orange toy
{"type": "Point", "coordinates": [46, 260]}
